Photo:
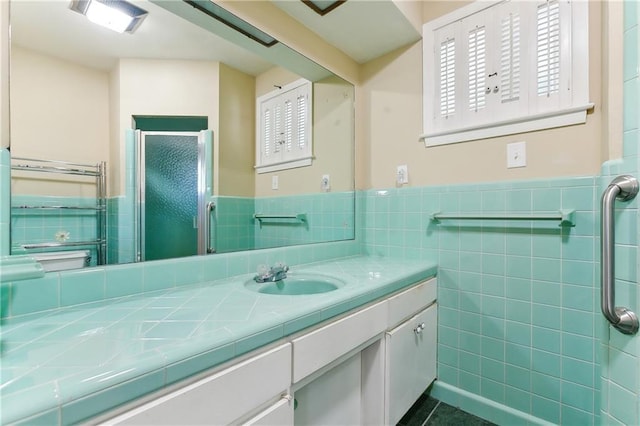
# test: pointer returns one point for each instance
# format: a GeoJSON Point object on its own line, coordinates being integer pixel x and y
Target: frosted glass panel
{"type": "Point", "coordinates": [171, 196]}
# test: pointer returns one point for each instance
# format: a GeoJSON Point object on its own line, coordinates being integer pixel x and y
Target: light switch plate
{"type": "Point", "coordinates": [402, 174]}
{"type": "Point", "coordinates": [274, 182]}
{"type": "Point", "coordinates": [516, 155]}
{"type": "Point", "coordinates": [325, 184]}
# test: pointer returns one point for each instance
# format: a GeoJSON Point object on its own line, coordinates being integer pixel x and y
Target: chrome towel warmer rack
{"type": "Point", "coordinates": [97, 171]}
{"type": "Point", "coordinates": [622, 188]}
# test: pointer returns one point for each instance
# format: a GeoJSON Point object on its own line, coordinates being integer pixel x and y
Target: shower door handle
{"type": "Point", "coordinates": [209, 207]}
{"type": "Point", "coordinates": [623, 188]}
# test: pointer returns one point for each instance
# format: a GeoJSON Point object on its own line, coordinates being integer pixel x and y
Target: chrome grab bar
{"type": "Point", "coordinates": [623, 188]}
{"type": "Point", "coordinates": [209, 207]}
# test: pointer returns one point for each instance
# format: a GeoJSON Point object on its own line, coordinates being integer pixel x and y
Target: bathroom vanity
{"type": "Point", "coordinates": [221, 352]}
{"type": "Point", "coordinates": [367, 367]}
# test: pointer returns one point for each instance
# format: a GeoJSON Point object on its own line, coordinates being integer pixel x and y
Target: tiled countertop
{"type": "Point", "coordinates": [74, 363]}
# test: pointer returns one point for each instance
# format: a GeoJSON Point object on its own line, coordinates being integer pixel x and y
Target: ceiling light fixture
{"type": "Point", "coordinates": [229, 19]}
{"type": "Point", "coordinates": [117, 15]}
{"type": "Point", "coordinates": [322, 7]}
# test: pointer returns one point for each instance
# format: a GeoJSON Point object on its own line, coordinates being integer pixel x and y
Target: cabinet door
{"type": "Point", "coordinates": [410, 363]}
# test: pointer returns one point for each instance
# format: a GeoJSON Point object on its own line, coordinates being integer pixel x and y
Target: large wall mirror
{"type": "Point", "coordinates": [172, 109]}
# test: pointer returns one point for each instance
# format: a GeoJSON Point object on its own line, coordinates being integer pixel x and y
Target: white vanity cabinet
{"type": "Point", "coordinates": [390, 351]}
{"type": "Point", "coordinates": [320, 347]}
{"type": "Point", "coordinates": [366, 367]}
{"type": "Point", "coordinates": [225, 396]}
{"type": "Point", "coordinates": [410, 362]}
{"type": "Point", "coordinates": [279, 413]}
{"type": "Point", "coordinates": [410, 356]}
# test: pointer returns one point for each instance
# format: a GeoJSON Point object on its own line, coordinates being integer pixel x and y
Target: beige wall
{"type": "Point", "coordinates": [4, 74]}
{"type": "Point", "coordinates": [388, 113]}
{"type": "Point", "coordinates": [236, 135]}
{"type": "Point", "coordinates": [332, 138]}
{"type": "Point", "coordinates": [389, 118]}
{"type": "Point", "coordinates": [165, 87]}
{"type": "Point", "coordinates": [275, 22]}
{"type": "Point", "coordinates": [59, 111]}
{"type": "Point", "coordinates": [276, 76]}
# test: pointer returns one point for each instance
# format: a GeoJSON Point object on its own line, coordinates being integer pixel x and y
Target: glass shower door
{"type": "Point", "coordinates": [170, 194]}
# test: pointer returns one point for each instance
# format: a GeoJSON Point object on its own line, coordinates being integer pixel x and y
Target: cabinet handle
{"type": "Point", "coordinates": [419, 328]}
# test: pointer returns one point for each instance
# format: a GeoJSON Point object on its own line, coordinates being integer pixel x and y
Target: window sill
{"type": "Point", "coordinates": [566, 117]}
{"type": "Point", "coordinates": [274, 167]}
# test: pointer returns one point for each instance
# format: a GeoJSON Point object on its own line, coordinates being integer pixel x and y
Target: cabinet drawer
{"type": "Point", "coordinates": [411, 301]}
{"type": "Point", "coordinates": [410, 362]}
{"type": "Point", "coordinates": [220, 398]}
{"type": "Point", "coordinates": [320, 347]}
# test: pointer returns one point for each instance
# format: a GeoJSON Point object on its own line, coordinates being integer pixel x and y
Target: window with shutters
{"type": "Point", "coordinates": [499, 68]}
{"type": "Point", "coordinates": [283, 136]}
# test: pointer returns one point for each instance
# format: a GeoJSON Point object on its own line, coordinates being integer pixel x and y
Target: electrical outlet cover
{"type": "Point", "coordinates": [516, 155]}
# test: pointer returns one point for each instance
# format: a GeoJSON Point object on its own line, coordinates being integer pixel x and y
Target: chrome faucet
{"type": "Point", "coordinates": [275, 273]}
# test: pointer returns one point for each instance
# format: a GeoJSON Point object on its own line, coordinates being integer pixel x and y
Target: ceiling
{"type": "Point", "coordinates": [363, 29]}
{"type": "Point", "coordinates": [50, 26]}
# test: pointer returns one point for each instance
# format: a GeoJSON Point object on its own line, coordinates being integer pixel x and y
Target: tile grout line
{"type": "Point", "coordinates": [431, 414]}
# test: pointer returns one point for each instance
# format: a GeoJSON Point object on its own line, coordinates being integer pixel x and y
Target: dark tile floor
{"type": "Point", "coordinates": [428, 411]}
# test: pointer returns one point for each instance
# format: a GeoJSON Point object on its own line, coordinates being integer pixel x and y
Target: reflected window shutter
{"type": "Point", "coordinates": [302, 121]}
{"type": "Point", "coordinates": [288, 125]}
{"type": "Point", "coordinates": [477, 68]}
{"type": "Point", "coordinates": [267, 137]}
{"type": "Point", "coordinates": [447, 77]}
{"type": "Point", "coordinates": [278, 128]}
{"type": "Point", "coordinates": [510, 58]}
{"type": "Point", "coordinates": [284, 139]}
{"type": "Point", "coordinates": [548, 48]}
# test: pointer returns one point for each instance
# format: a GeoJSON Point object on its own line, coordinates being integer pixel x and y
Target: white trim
{"type": "Point", "coordinates": [458, 14]}
{"type": "Point", "coordinates": [302, 162]}
{"type": "Point", "coordinates": [562, 118]}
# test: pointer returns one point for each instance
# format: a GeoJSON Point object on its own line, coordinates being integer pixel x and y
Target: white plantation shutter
{"type": "Point", "coordinates": [283, 136]}
{"type": "Point", "coordinates": [548, 48]}
{"type": "Point", "coordinates": [510, 58]}
{"type": "Point", "coordinates": [505, 67]}
{"type": "Point", "coordinates": [477, 70]}
{"type": "Point", "coordinates": [267, 132]}
{"type": "Point", "coordinates": [302, 121]}
{"type": "Point", "coordinates": [447, 78]}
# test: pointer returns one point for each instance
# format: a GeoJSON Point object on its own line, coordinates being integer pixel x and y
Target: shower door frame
{"type": "Point", "coordinates": [140, 174]}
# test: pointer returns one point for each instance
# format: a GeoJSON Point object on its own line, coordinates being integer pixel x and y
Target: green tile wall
{"type": "Point", "coordinates": [518, 318]}
{"type": "Point", "coordinates": [329, 217]}
{"type": "Point", "coordinates": [620, 353]}
{"type": "Point", "coordinates": [232, 225]}
{"type": "Point", "coordinates": [30, 226]}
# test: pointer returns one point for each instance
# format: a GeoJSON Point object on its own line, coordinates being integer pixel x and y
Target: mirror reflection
{"type": "Point", "coordinates": [183, 137]}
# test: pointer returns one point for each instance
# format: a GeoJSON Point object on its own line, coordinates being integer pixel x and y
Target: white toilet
{"type": "Point", "coordinates": [63, 260]}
